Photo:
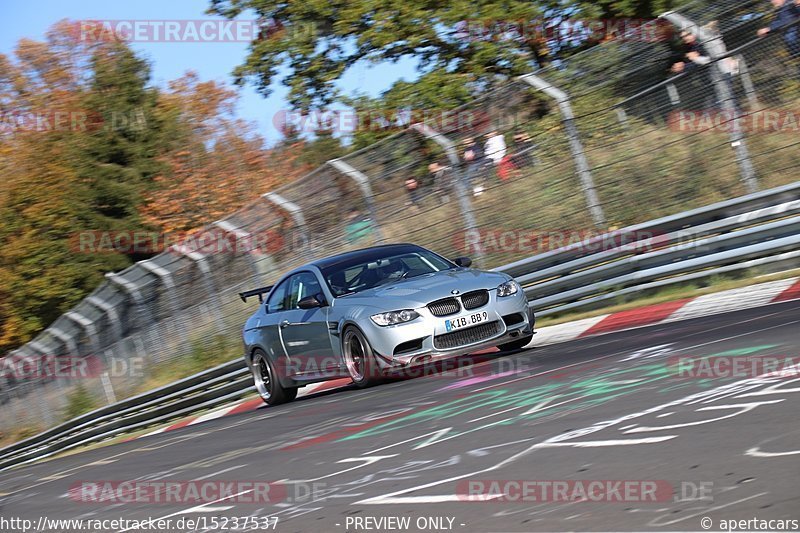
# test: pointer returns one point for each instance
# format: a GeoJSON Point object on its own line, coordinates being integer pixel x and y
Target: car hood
{"type": "Point", "coordinates": [421, 290]}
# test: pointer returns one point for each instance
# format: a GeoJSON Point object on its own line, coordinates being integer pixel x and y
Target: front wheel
{"type": "Point", "coordinates": [359, 359]}
{"type": "Point", "coordinates": [516, 344]}
{"type": "Point", "coordinates": [266, 381]}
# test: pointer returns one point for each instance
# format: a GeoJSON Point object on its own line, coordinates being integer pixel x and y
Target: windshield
{"type": "Point", "coordinates": [355, 277]}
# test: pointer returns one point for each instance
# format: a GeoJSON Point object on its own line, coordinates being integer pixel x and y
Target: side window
{"type": "Point", "coordinates": [277, 300]}
{"type": "Point", "coordinates": [302, 285]}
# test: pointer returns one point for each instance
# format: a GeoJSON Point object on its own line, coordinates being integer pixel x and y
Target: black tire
{"type": "Point", "coordinates": [267, 383]}
{"type": "Point", "coordinates": [516, 344]}
{"type": "Point", "coordinates": [360, 359]}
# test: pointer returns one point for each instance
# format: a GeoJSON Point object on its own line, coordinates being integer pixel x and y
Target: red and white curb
{"type": "Point", "coordinates": [699, 306]}
{"type": "Point", "coordinates": [709, 304]}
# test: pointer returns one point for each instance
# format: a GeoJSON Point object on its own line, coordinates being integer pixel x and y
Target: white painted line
{"type": "Point", "coordinates": [565, 332]}
{"type": "Point", "coordinates": [442, 498]}
{"type": "Point", "coordinates": [732, 300]}
{"type": "Point", "coordinates": [755, 452]}
{"type": "Point", "coordinates": [214, 414]}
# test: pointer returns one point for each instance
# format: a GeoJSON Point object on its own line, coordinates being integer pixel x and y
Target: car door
{"type": "Point", "coordinates": [269, 327]}
{"type": "Point", "coordinates": [304, 332]}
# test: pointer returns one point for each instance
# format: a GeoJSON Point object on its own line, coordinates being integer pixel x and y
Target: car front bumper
{"type": "Point", "coordinates": [420, 341]}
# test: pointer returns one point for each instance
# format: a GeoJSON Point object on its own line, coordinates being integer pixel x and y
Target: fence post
{"type": "Point", "coordinates": [463, 195]}
{"type": "Point", "coordinates": [87, 325]}
{"type": "Point", "coordinates": [575, 145]}
{"type": "Point", "coordinates": [166, 280]}
{"type": "Point", "coordinates": [202, 263]}
{"type": "Point", "coordinates": [108, 309]}
{"type": "Point", "coordinates": [131, 288]}
{"type": "Point", "coordinates": [295, 212]}
{"type": "Point", "coordinates": [721, 78]}
{"type": "Point", "coordinates": [45, 413]}
{"type": "Point", "coordinates": [363, 183]}
{"type": "Point", "coordinates": [241, 234]}
{"type": "Point", "coordinates": [68, 340]}
{"type": "Point", "coordinates": [747, 81]}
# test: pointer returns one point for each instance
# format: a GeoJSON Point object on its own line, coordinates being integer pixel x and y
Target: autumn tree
{"type": "Point", "coordinates": [220, 164]}
{"type": "Point", "coordinates": [53, 168]}
{"type": "Point", "coordinates": [129, 157]}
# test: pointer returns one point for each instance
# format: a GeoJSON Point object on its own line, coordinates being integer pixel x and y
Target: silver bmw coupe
{"type": "Point", "coordinates": [367, 313]}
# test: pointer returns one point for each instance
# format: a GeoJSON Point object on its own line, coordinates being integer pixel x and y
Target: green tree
{"type": "Point", "coordinates": [316, 41]}
{"type": "Point", "coordinates": [117, 160]}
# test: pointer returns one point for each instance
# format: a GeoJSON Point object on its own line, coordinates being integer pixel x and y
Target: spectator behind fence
{"type": "Point", "coordinates": [691, 54]}
{"type": "Point", "coordinates": [786, 12]}
{"type": "Point", "coordinates": [440, 180]}
{"type": "Point", "coordinates": [474, 158]}
{"type": "Point", "coordinates": [495, 149]}
{"type": "Point", "coordinates": [412, 188]}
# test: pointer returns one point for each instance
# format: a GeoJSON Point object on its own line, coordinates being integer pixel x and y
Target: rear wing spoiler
{"type": "Point", "coordinates": [255, 292]}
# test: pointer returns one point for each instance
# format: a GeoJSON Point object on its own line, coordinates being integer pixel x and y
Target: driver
{"type": "Point", "coordinates": [338, 283]}
{"type": "Point", "coordinates": [393, 270]}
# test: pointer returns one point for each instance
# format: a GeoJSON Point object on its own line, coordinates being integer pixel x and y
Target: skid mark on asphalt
{"type": "Point", "coordinates": [399, 497]}
{"type": "Point", "coordinates": [99, 462]}
{"type": "Point", "coordinates": [439, 437]}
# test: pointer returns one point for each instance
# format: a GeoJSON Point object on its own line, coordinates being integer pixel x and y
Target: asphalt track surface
{"type": "Point", "coordinates": [601, 408]}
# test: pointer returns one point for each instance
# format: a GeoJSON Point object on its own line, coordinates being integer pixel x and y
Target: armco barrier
{"type": "Point", "coordinates": [595, 141]}
{"type": "Point", "coordinates": [756, 230]}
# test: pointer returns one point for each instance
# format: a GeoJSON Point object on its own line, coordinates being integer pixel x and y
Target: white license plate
{"type": "Point", "coordinates": [466, 321]}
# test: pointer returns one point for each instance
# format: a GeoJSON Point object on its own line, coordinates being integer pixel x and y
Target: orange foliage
{"type": "Point", "coordinates": [222, 165]}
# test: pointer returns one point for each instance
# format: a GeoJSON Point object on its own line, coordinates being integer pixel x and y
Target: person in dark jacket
{"type": "Point", "coordinates": [786, 13]}
{"type": "Point", "coordinates": [473, 157]}
{"type": "Point", "coordinates": [691, 54]}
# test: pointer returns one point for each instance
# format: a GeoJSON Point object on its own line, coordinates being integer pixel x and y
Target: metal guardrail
{"type": "Point", "coordinates": [754, 230]}
{"type": "Point", "coordinates": [223, 383]}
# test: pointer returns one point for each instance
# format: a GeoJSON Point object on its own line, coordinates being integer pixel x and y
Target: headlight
{"type": "Point", "coordinates": [394, 317]}
{"type": "Point", "coordinates": [508, 288]}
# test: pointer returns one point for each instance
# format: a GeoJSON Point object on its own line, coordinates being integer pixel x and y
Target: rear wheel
{"type": "Point", "coordinates": [266, 381]}
{"type": "Point", "coordinates": [517, 344]}
{"type": "Point", "coordinates": [359, 359]}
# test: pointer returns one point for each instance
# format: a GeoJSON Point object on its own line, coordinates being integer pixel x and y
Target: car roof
{"type": "Point", "coordinates": [365, 254]}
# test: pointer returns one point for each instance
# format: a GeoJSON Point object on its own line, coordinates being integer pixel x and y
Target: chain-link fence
{"type": "Point", "coordinates": [625, 132]}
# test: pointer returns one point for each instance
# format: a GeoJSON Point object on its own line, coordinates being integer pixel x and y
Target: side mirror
{"type": "Point", "coordinates": [463, 261]}
{"type": "Point", "coordinates": [310, 302]}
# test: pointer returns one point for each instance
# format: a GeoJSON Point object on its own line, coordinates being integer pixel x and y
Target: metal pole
{"type": "Point", "coordinates": [295, 212]}
{"type": "Point", "coordinates": [107, 308]}
{"type": "Point", "coordinates": [166, 280]}
{"type": "Point", "coordinates": [449, 147]}
{"type": "Point", "coordinates": [721, 78]}
{"type": "Point", "coordinates": [575, 145]}
{"type": "Point", "coordinates": [202, 263]}
{"type": "Point", "coordinates": [363, 183]}
{"type": "Point", "coordinates": [133, 290]}
{"type": "Point", "coordinates": [242, 235]}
